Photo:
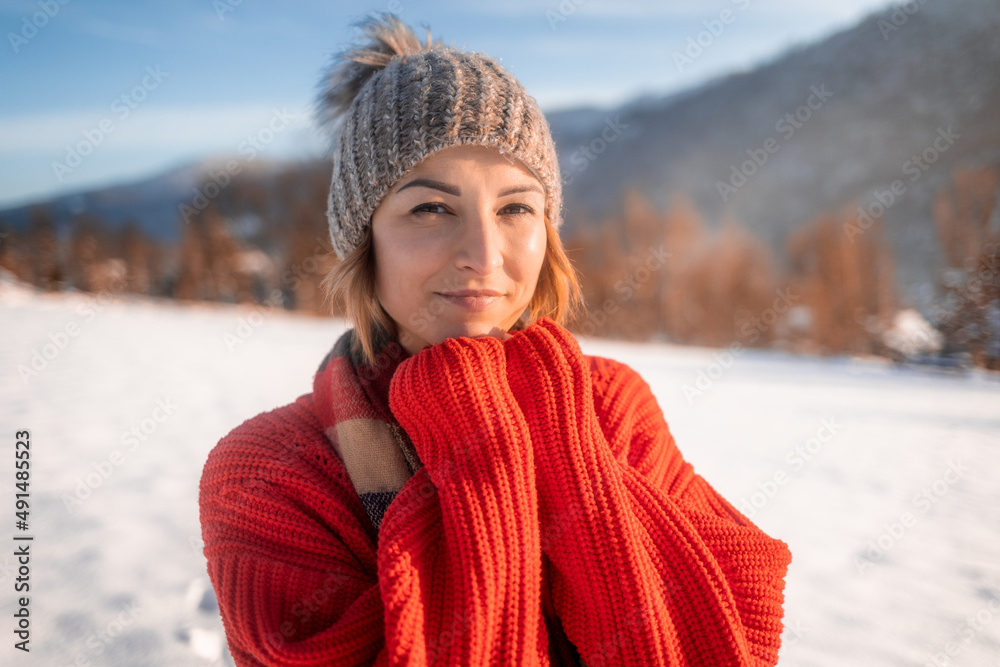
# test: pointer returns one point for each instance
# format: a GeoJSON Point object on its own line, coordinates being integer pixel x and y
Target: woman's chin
{"type": "Point", "coordinates": [474, 330]}
{"type": "Point", "coordinates": [415, 341]}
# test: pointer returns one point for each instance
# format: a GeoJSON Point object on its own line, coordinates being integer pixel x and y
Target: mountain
{"type": "Point", "coordinates": [870, 101]}
{"type": "Point", "coordinates": [155, 203]}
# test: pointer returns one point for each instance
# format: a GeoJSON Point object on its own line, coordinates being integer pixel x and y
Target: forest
{"type": "Point", "coordinates": [646, 274]}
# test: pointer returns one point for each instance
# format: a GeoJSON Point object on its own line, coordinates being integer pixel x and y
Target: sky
{"type": "Point", "coordinates": [98, 92]}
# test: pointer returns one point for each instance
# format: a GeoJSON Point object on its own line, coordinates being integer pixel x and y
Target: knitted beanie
{"type": "Point", "coordinates": [392, 102]}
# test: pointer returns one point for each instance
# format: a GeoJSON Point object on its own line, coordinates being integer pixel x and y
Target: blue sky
{"type": "Point", "coordinates": [144, 87]}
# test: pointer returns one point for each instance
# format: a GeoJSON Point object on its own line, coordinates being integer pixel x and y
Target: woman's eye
{"type": "Point", "coordinates": [423, 208]}
{"type": "Point", "coordinates": [520, 209]}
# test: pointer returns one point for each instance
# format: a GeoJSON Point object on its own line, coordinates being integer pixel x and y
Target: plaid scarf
{"type": "Point", "coordinates": [352, 401]}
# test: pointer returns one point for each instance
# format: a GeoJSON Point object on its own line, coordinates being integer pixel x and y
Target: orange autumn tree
{"type": "Point", "coordinates": [846, 283]}
{"type": "Point", "coordinates": [646, 273]}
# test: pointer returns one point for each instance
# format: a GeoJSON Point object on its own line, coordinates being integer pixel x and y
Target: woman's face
{"type": "Point", "coordinates": [459, 242]}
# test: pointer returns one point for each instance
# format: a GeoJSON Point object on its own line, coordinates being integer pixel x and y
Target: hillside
{"type": "Point", "coordinates": [889, 92]}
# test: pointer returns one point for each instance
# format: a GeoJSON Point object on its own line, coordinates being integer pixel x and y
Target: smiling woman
{"type": "Point", "coordinates": [459, 260]}
{"type": "Point", "coordinates": [464, 486]}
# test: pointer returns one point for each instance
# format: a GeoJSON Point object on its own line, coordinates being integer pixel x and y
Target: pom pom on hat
{"type": "Point", "coordinates": [352, 68]}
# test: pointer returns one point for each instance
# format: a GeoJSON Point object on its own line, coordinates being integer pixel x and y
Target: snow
{"type": "Point", "coordinates": [830, 455]}
{"type": "Point", "coordinates": [912, 335]}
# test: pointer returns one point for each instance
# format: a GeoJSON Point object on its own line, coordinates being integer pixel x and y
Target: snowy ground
{"type": "Point", "coordinates": [884, 482]}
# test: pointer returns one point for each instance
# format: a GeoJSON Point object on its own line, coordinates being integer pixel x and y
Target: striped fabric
{"type": "Point", "coordinates": [353, 401]}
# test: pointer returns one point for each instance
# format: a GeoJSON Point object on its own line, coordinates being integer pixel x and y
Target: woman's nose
{"type": "Point", "coordinates": [480, 244]}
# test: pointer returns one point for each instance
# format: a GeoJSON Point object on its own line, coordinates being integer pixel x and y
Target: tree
{"type": "Point", "coordinates": [969, 315]}
{"type": "Point", "coordinates": [43, 249]}
{"type": "Point", "coordinates": [846, 281]}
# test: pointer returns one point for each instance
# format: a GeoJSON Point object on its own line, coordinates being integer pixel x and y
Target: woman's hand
{"type": "Point", "coordinates": [550, 378]}
{"type": "Point", "coordinates": [454, 395]}
{"type": "Point", "coordinates": [496, 333]}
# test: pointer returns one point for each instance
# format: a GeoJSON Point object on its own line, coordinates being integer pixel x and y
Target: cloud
{"type": "Point", "coordinates": [154, 129]}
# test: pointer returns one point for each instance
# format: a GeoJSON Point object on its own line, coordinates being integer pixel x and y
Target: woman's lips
{"type": "Point", "coordinates": [473, 300]}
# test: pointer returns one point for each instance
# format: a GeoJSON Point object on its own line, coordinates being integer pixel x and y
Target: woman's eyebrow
{"type": "Point", "coordinates": [454, 191]}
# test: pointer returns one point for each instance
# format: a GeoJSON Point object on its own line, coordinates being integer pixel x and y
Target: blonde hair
{"type": "Point", "coordinates": [351, 285]}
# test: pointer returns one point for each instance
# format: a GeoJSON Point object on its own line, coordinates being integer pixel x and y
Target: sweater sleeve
{"type": "Point", "coordinates": [753, 563]}
{"type": "Point", "coordinates": [639, 543]}
{"type": "Point", "coordinates": [287, 546]}
{"type": "Point", "coordinates": [460, 559]}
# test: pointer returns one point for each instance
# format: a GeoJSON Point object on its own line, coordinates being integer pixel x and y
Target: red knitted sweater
{"type": "Point", "coordinates": [550, 486]}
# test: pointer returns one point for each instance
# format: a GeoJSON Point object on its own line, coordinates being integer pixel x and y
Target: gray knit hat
{"type": "Point", "coordinates": [392, 102]}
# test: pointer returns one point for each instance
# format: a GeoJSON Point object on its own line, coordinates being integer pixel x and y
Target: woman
{"type": "Point", "coordinates": [464, 486]}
